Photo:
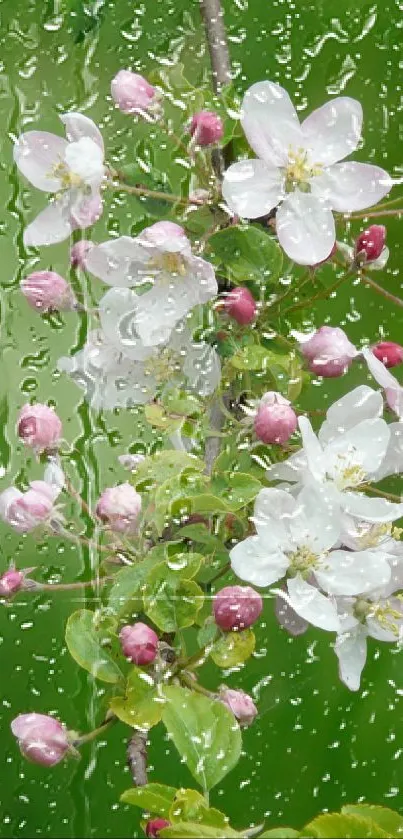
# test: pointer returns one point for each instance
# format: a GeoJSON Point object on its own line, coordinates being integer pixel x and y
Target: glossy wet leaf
{"type": "Point", "coordinates": [279, 833]}
{"type": "Point", "coordinates": [172, 603]}
{"type": "Point", "coordinates": [386, 819]}
{"type": "Point", "coordinates": [164, 465]}
{"type": "Point", "coordinates": [246, 254]}
{"type": "Point", "coordinates": [233, 648]}
{"type": "Point", "coordinates": [195, 830]}
{"type": "Point", "coordinates": [129, 582]}
{"type": "Point", "coordinates": [157, 798]}
{"type": "Point", "coordinates": [89, 646]}
{"type": "Point", "coordinates": [141, 706]}
{"type": "Point", "coordinates": [340, 826]}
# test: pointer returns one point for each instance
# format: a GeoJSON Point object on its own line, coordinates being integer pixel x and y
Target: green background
{"type": "Point", "coordinates": [315, 745]}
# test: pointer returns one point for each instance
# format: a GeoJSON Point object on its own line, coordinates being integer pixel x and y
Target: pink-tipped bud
{"type": "Point", "coordinates": [206, 128]}
{"type": "Point", "coordinates": [41, 739]}
{"type": "Point", "coordinates": [39, 426]}
{"type": "Point", "coordinates": [11, 582]}
{"type": "Point", "coordinates": [154, 826]}
{"type": "Point", "coordinates": [131, 92]}
{"type": "Point", "coordinates": [371, 242]}
{"type": "Point", "coordinates": [241, 705]}
{"type": "Point", "coordinates": [90, 210]}
{"type": "Point", "coordinates": [275, 420]}
{"type": "Point", "coordinates": [240, 305]}
{"type": "Point", "coordinates": [79, 251]}
{"type": "Point", "coordinates": [47, 291]}
{"type": "Point", "coordinates": [119, 507]}
{"type": "Point", "coordinates": [236, 607]}
{"type": "Point", "coordinates": [139, 643]}
{"type": "Point", "coordinates": [328, 352]}
{"type": "Point", "coordinates": [389, 353]}
{"type": "Point", "coordinates": [24, 511]}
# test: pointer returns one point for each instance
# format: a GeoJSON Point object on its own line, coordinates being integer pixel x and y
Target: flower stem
{"type": "Point", "coordinates": [382, 291]}
{"type": "Point", "coordinates": [382, 494]}
{"type": "Point", "coordinates": [379, 212]}
{"type": "Point", "coordinates": [325, 292]}
{"type": "Point", "coordinates": [152, 193]}
{"type": "Point", "coordinates": [193, 685]}
{"type": "Point", "coordinates": [86, 738]}
{"type": "Point", "coordinates": [69, 586]}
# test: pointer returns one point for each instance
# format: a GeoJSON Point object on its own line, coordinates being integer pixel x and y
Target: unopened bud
{"type": "Point", "coordinates": [47, 291]}
{"type": "Point", "coordinates": [389, 353]}
{"type": "Point", "coordinates": [119, 507]}
{"type": "Point", "coordinates": [39, 426]}
{"type": "Point", "coordinates": [236, 607]}
{"type": "Point", "coordinates": [41, 739]}
{"type": "Point", "coordinates": [240, 305]}
{"type": "Point", "coordinates": [131, 92]}
{"type": "Point", "coordinates": [139, 643]}
{"type": "Point", "coordinates": [241, 705]}
{"type": "Point", "coordinates": [275, 420]}
{"type": "Point", "coordinates": [207, 128]}
{"type": "Point", "coordinates": [11, 582]}
{"type": "Point", "coordinates": [371, 242]}
{"type": "Point", "coordinates": [153, 827]}
{"type": "Point", "coordinates": [329, 352]}
{"type": "Point", "coordinates": [79, 251]}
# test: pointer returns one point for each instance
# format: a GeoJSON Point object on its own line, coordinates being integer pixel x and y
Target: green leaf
{"type": "Point", "coordinates": [172, 498]}
{"type": "Point", "coordinates": [195, 830]}
{"type": "Point", "coordinates": [233, 648]}
{"type": "Point", "coordinates": [256, 357]}
{"type": "Point", "coordinates": [142, 705]}
{"type": "Point", "coordinates": [386, 819]}
{"type": "Point", "coordinates": [86, 644]}
{"type": "Point", "coordinates": [157, 798]}
{"type": "Point", "coordinates": [158, 418]}
{"type": "Point", "coordinates": [340, 826]}
{"type": "Point", "coordinates": [279, 833]}
{"type": "Point", "coordinates": [129, 582]}
{"type": "Point", "coordinates": [208, 632]}
{"type": "Point", "coordinates": [200, 533]}
{"type": "Point", "coordinates": [172, 603]}
{"type": "Point", "coordinates": [246, 254]}
{"type": "Point", "coordinates": [241, 490]}
{"type": "Point", "coordinates": [209, 504]}
{"type": "Point", "coordinates": [158, 468]}
{"type": "Point", "coordinates": [204, 732]}
{"type": "Point", "coordinates": [190, 806]}
{"type": "Point", "coordinates": [179, 402]}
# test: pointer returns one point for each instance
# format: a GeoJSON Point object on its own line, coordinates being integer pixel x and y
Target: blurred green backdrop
{"type": "Point", "coordinates": [314, 745]}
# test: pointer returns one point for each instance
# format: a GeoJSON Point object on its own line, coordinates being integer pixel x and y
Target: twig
{"type": "Point", "coordinates": [152, 193]}
{"type": "Point", "coordinates": [86, 738]}
{"type": "Point", "coordinates": [379, 212]}
{"type": "Point", "coordinates": [388, 294]}
{"type": "Point", "coordinates": [137, 758]}
{"type": "Point", "coordinates": [323, 293]}
{"type": "Point", "coordinates": [213, 17]}
{"type": "Point", "coordinates": [68, 586]}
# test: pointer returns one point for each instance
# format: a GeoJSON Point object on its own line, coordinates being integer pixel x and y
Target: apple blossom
{"type": "Point", "coordinates": [206, 128]}
{"type": "Point", "coordinates": [298, 170]}
{"type": "Point", "coordinates": [240, 305]}
{"type": "Point", "coordinates": [79, 251]}
{"type": "Point", "coordinates": [275, 419]}
{"type": "Point", "coordinates": [328, 351]}
{"type": "Point", "coordinates": [236, 607]}
{"type": "Point", "coordinates": [71, 169]}
{"type": "Point", "coordinates": [47, 291]}
{"type": "Point", "coordinates": [11, 582]}
{"type": "Point", "coordinates": [132, 93]}
{"type": "Point", "coordinates": [139, 643]}
{"type": "Point", "coordinates": [131, 461]}
{"type": "Point", "coordinates": [153, 827]}
{"type": "Point", "coordinates": [25, 511]}
{"type": "Point", "coordinates": [160, 255]}
{"type": "Point", "coordinates": [390, 353]}
{"type": "Point", "coordinates": [120, 508]}
{"type": "Point", "coordinates": [241, 705]}
{"type": "Point", "coordinates": [393, 389]}
{"type": "Point", "coordinates": [371, 242]}
{"type": "Point", "coordinates": [41, 738]}
{"type": "Point", "coordinates": [39, 426]}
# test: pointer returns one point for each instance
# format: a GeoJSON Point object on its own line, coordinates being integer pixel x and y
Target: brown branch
{"type": "Point", "coordinates": [137, 758]}
{"type": "Point", "coordinates": [213, 17]}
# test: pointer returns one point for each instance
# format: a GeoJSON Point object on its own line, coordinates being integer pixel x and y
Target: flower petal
{"type": "Point", "coordinates": [291, 469]}
{"type": "Point", "coordinates": [392, 463]}
{"type": "Point", "coordinates": [370, 509]}
{"type": "Point", "coordinates": [312, 449]}
{"type": "Point", "coordinates": [393, 389]}
{"type": "Point", "coordinates": [359, 404]}
{"type": "Point", "coordinates": [52, 225]}
{"type": "Point", "coordinates": [351, 650]}
{"type": "Point", "coordinates": [353, 572]}
{"type": "Point", "coordinates": [288, 618]}
{"type": "Point", "coordinates": [333, 131]}
{"type": "Point", "coordinates": [6, 498]}
{"type": "Point", "coordinates": [118, 315]}
{"type": "Point", "coordinates": [305, 228]}
{"type": "Point", "coordinates": [251, 188]}
{"type": "Point", "coordinates": [77, 126]}
{"type": "Point", "coordinates": [119, 262]}
{"type": "Point", "coordinates": [316, 522]}
{"type": "Point", "coordinates": [352, 186]}
{"type": "Point", "coordinates": [270, 122]}
{"type": "Point", "coordinates": [273, 511]}
{"type": "Point", "coordinates": [202, 368]}
{"type": "Point", "coordinates": [36, 153]}
{"type": "Point", "coordinates": [364, 445]}
{"type": "Point", "coordinates": [312, 605]}
{"type": "Point", "coordinates": [252, 562]}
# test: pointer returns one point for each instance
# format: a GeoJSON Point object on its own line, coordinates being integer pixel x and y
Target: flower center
{"type": "Point", "coordinates": [69, 179]}
{"type": "Point", "coordinates": [299, 171]}
{"type": "Point", "coordinates": [388, 618]}
{"type": "Point", "coordinates": [347, 471]}
{"type": "Point", "coordinates": [303, 561]}
{"type": "Point", "coordinates": [170, 263]}
{"type": "Point", "coordinates": [371, 535]}
{"type": "Point", "coordinates": [163, 366]}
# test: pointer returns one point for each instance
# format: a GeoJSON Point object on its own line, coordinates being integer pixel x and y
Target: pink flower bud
{"type": "Point", "coordinates": [236, 607]}
{"type": "Point", "coordinates": [47, 291]}
{"type": "Point", "coordinates": [153, 827]}
{"type": "Point", "coordinates": [119, 507]}
{"type": "Point", "coordinates": [78, 253]}
{"type": "Point", "coordinates": [11, 582]}
{"type": "Point", "coordinates": [329, 352]}
{"type": "Point", "coordinates": [275, 420]}
{"type": "Point", "coordinates": [206, 128]}
{"type": "Point", "coordinates": [131, 92]}
{"type": "Point", "coordinates": [38, 426]}
{"type": "Point", "coordinates": [240, 305]}
{"type": "Point", "coordinates": [389, 353]}
{"type": "Point", "coordinates": [139, 643]}
{"type": "Point", "coordinates": [25, 511]}
{"type": "Point", "coordinates": [41, 739]}
{"type": "Point", "coordinates": [241, 705]}
{"type": "Point", "coordinates": [371, 242]}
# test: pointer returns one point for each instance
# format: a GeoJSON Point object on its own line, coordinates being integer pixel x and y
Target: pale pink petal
{"type": "Point", "coordinates": [36, 153]}
{"type": "Point", "coordinates": [52, 225]}
{"type": "Point", "coordinates": [251, 188]}
{"type": "Point", "coordinates": [6, 498]}
{"type": "Point", "coordinates": [305, 228]}
{"type": "Point", "coordinates": [352, 186]}
{"type": "Point", "coordinates": [119, 262]}
{"type": "Point", "coordinates": [77, 126]}
{"type": "Point", "coordinates": [270, 122]}
{"type": "Point", "coordinates": [311, 605]}
{"type": "Point", "coordinates": [333, 131]}
{"type": "Point", "coordinates": [351, 650]}
{"type": "Point", "coordinates": [393, 388]}
{"type": "Point", "coordinates": [86, 210]}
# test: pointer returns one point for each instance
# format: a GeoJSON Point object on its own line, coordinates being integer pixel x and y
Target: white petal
{"type": "Point", "coordinates": [379, 264]}
{"type": "Point", "coordinates": [119, 262]}
{"type": "Point", "coordinates": [316, 522]}
{"type": "Point", "coordinates": [288, 618]}
{"type": "Point", "coordinates": [273, 511]}
{"type": "Point", "coordinates": [361, 403]}
{"type": "Point", "coordinates": [54, 476]}
{"type": "Point", "coordinates": [392, 463]}
{"type": "Point", "coordinates": [85, 210]}
{"type": "Point", "coordinates": [333, 131]}
{"type": "Point", "coordinates": [202, 368]}
{"type": "Point", "coordinates": [52, 225]}
{"type": "Point", "coordinates": [36, 153]}
{"type": "Point", "coordinates": [393, 389]}
{"type": "Point", "coordinates": [252, 562]}
{"type": "Point", "coordinates": [312, 449]}
{"type": "Point", "coordinates": [370, 509]}
{"type": "Point", "coordinates": [251, 188]}
{"type": "Point", "coordinates": [289, 470]}
{"type": "Point", "coordinates": [77, 126]}
{"type": "Point", "coordinates": [364, 445]}
{"type": "Point", "coordinates": [351, 186]}
{"type": "Point", "coordinates": [305, 228]}
{"type": "Point", "coordinates": [270, 122]}
{"type": "Point", "coordinates": [353, 572]}
{"type": "Point", "coordinates": [351, 650]}
{"type": "Point", "coordinates": [118, 315]}
{"type": "Point", "coordinates": [6, 498]}
{"type": "Point", "coordinates": [312, 605]}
